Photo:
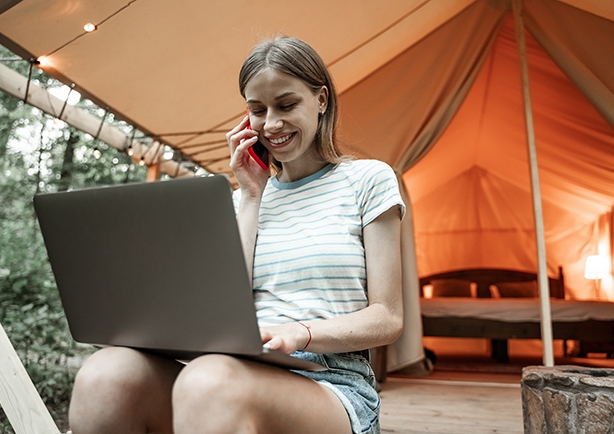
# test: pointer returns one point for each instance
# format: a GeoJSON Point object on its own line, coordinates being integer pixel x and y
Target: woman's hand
{"type": "Point", "coordinates": [250, 176]}
{"type": "Point", "coordinates": [286, 338]}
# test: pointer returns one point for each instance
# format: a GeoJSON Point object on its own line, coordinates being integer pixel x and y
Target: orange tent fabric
{"type": "Point", "coordinates": [468, 178]}
{"type": "Point", "coordinates": [471, 193]}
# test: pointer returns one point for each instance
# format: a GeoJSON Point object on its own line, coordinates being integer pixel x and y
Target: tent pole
{"type": "Point", "coordinates": [544, 290]}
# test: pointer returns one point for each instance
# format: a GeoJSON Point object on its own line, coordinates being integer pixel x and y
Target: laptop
{"type": "Point", "coordinates": [155, 266]}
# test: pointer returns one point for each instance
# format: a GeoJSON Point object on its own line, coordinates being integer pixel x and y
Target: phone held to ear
{"type": "Point", "coordinates": [258, 152]}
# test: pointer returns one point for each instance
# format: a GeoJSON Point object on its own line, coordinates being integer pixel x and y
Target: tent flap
{"type": "Point", "coordinates": [581, 44]}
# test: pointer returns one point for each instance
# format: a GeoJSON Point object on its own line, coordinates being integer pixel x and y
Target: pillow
{"type": "Point", "coordinates": [517, 289]}
{"type": "Point", "coordinates": [451, 288]}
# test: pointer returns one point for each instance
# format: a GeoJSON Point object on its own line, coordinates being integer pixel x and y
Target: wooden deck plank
{"type": "Point", "coordinates": [412, 406]}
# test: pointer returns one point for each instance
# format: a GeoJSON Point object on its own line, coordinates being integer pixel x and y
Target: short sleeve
{"type": "Point", "coordinates": [378, 191]}
{"type": "Point", "coordinates": [236, 199]}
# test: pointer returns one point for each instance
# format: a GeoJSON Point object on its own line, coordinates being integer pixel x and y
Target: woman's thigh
{"type": "Point", "coordinates": [123, 390]}
{"type": "Point", "coordinates": [224, 394]}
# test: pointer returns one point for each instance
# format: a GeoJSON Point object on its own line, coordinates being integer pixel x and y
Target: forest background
{"type": "Point", "coordinates": [40, 154]}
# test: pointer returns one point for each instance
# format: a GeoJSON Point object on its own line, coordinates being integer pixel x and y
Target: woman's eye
{"type": "Point", "coordinates": [288, 106]}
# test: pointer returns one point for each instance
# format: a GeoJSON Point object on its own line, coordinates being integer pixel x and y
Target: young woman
{"type": "Point", "coordinates": [322, 240]}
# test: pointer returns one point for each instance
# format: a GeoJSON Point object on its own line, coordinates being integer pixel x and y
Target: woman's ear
{"type": "Point", "coordinates": [323, 99]}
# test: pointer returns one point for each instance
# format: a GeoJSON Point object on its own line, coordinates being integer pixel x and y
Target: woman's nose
{"type": "Point", "coordinates": [272, 122]}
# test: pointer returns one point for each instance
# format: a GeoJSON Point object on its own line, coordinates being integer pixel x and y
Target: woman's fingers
{"type": "Point", "coordinates": [285, 338]}
{"type": "Point", "coordinates": [240, 156]}
{"type": "Point", "coordinates": [250, 176]}
{"type": "Point", "coordinates": [238, 133]}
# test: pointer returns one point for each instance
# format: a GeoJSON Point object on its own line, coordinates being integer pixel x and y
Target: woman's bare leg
{"type": "Point", "coordinates": [218, 394]}
{"type": "Point", "coordinates": [120, 390]}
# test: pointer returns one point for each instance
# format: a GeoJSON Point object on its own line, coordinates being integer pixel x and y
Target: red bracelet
{"type": "Point", "coordinates": [308, 331]}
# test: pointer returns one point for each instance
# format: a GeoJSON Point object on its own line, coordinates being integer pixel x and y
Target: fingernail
{"type": "Point", "coordinates": [267, 346]}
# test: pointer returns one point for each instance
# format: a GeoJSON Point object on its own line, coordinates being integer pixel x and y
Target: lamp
{"type": "Point", "coordinates": [90, 27]}
{"type": "Point", "coordinates": [597, 267]}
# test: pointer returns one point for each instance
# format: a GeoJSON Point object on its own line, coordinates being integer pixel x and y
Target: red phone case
{"type": "Point", "coordinates": [260, 156]}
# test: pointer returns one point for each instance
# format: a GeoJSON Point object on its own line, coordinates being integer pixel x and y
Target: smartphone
{"type": "Point", "coordinates": [258, 152]}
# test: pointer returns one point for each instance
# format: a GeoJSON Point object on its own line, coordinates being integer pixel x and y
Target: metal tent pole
{"type": "Point", "coordinates": [542, 276]}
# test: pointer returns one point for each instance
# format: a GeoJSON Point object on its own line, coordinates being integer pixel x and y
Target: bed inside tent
{"type": "Point", "coordinates": [452, 107]}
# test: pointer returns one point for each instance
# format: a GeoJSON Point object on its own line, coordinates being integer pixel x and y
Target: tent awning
{"type": "Point", "coordinates": [430, 86]}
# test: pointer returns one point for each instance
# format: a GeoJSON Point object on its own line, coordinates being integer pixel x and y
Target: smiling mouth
{"type": "Point", "coordinates": [281, 140]}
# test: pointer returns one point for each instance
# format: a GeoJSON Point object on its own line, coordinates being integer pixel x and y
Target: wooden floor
{"type": "Point", "coordinates": [464, 395]}
{"type": "Point", "coordinates": [452, 405]}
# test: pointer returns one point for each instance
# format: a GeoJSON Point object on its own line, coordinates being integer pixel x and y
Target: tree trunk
{"type": "Point", "coordinates": [67, 161]}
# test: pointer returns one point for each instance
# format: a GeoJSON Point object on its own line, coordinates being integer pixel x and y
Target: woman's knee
{"type": "Point", "coordinates": [213, 376]}
{"type": "Point", "coordinates": [117, 385]}
{"type": "Point", "coordinates": [107, 368]}
{"type": "Point", "coordinates": [123, 369]}
{"type": "Point", "coordinates": [214, 393]}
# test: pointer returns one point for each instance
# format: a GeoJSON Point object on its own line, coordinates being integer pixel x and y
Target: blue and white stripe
{"type": "Point", "coordinates": [309, 260]}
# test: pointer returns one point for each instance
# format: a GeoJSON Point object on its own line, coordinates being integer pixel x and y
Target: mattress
{"type": "Point", "coordinates": [516, 309]}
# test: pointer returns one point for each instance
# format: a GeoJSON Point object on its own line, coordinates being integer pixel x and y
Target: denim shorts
{"type": "Point", "coordinates": [350, 377]}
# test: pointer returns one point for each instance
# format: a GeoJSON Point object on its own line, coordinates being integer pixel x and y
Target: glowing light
{"type": "Point", "coordinates": [43, 61]}
{"type": "Point", "coordinates": [597, 267]}
{"type": "Point", "coordinates": [89, 27]}
{"type": "Point", "coordinates": [97, 153]}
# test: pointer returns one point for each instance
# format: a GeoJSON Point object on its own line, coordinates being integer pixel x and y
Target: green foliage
{"type": "Point", "coordinates": [40, 155]}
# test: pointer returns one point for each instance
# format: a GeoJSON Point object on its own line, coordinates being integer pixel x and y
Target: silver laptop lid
{"type": "Point", "coordinates": [152, 265]}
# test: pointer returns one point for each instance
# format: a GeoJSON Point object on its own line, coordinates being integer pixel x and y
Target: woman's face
{"type": "Point", "coordinates": [285, 113]}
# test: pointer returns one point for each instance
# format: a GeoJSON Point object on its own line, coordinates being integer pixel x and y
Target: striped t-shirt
{"type": "Point", "coordinates": [309, 261]}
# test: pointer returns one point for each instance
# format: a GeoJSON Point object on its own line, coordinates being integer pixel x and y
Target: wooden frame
{"type": "Point", "coordinates": [19, 399]}
{"type": "Point", "coordinates": [484, 277]}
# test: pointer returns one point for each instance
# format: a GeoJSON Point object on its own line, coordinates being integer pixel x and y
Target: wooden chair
{"type": "Point", "coordinates": [19, 399]}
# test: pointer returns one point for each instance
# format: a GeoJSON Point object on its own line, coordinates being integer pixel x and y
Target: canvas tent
{"type": "Point", "coordinates": [471, 193]}
{"type": "Point", "coordinates": [430, 86]}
